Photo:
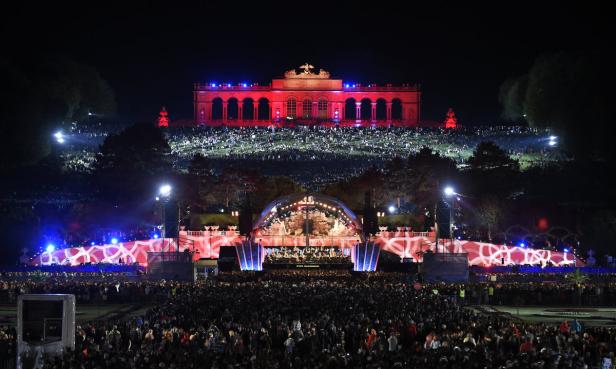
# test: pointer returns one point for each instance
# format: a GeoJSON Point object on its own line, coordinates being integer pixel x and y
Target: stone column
{"type": "Point", "coordinates": [315, 109]}
{"type": "Point", "coordinates": [208, 112]}
{"type": "Point", "coordinates": [239, 110]}
{"type": "Point", "coordinates": [373, 112]}
{"type": "Point", "coordinates": [405, 113]}
{"type": "Point", "coordinates": [389, 111]}
{"type": "Point", "coordinates": [358, 110]}
{"type": "Point", "coordinates": [196, 115]}
{"type": "Point", "coordinates": [201, 119]}
{"type": "Point", "coordinates": [225, 105]}
{"type": "Point", "coordinates": [255, 109]}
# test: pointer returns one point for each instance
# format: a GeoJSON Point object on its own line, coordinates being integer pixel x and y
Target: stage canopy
{"type": "Point", "coordinates": [314, 215]}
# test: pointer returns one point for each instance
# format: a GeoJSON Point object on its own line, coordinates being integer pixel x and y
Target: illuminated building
{"type": "Point", "coordinates": [306, 98]}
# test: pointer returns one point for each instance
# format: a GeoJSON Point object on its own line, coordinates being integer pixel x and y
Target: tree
{"type": "Point", "coordinates": [134, 160]}
{"type": "Point", "coordinates": [565, 92]}
{"type": "Point", "coordinates": [396, 181]}
{"type": "Point", "coordinates": [488, 156]}
{"type": "Point", "coordinates": [577, 277]}
{"type": "Point", "coordinates": [41, 93]}
{"type": "Point", "coordinates": [268, 189]}
{"type": "Point", "coordinates": [599, 229]}
{"type": "Point", "coordinates": [427, 173]}
{"type": "Point", "coordinates": [80, 88]}
{"type": "Point", "coordinates": [199, 166]}
{"type": "Point", "coordinates": [232, 184]}
{"type": "Point", "coordinates": [352, 191]}
{"type": "Point", "coordinates": [491, 171]}
{"type": "Point", "coordinates": [202, 181]}
{"type": "Point", "coordinates": [490, 213]}
{"type": "Point", "coordinates": [511, 97]}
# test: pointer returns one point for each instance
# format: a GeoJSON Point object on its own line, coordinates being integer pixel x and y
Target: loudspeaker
{"type": "Point", "coordinates": [227, 259]}
{"type": "Point", "coordinates": [171, 219]}
{"type": "Point", "coordinates": [443, 219]}
{"type": "Point", "coordinates": [371, 222]}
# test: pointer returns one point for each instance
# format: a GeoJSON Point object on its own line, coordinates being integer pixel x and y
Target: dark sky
{"type": "Point", "coordinates": [151, 53]}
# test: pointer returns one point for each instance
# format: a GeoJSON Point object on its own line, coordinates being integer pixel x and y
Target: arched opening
{"type": "Point", "coordinates": [336, 219]}
{"type": "Point", "coordinates": [396, 109]}
{"type": "Point", "coordinates": [247, 109]}
{"type": "Point", "coordinates": [349, 109]}
{"type": "Point", "coordinates": [291, 108]}
{"type": "Point", "coordinates": [366, 109]}
{"type": "Point", "coordinates": [322, 109]}
{"type": "Point", "coordinates": [381, 109]}
{"type": "Point", "coordinates": [307, 109]}
{"type": "Point", "coordinates": [264, 109]}
{"type": "Point", "coordinates": [217, 109]}
{"type": "Point", "coordinates": [232, 109]}
{"type": "Point", "coordinates": [291, 229]}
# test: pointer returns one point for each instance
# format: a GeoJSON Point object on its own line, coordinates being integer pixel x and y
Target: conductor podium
{"type": "Point", "coordinates": [45, 326]}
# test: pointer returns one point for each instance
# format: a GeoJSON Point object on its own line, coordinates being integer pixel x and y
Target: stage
{"type": "Point", "coordinates": [305, 266]}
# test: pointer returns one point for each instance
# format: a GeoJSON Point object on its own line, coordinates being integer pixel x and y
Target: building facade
{"type": "Point", "coordinates": [306, 98]}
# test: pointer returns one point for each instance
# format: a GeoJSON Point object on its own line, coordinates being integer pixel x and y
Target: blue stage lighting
{"type": "Point", "coordinates": [50, 248]}
{"type": "Point", "coordinates": [114, 241]}
{"type": "Point", "coordinates": [566, 250]}
{"type": "Point", "coordinates": [155, 236]}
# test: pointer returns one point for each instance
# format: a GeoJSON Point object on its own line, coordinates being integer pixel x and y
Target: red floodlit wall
{"type": "Point", "coordinates": [207, 244]}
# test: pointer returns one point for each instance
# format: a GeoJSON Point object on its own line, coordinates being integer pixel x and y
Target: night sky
{"type": "Point", "coordinates": [152, 53]}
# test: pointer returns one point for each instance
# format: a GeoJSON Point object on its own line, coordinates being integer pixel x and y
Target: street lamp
{"type": "Point", "coordinates": [164, 193]}
{"type": "Point", "coordinates": [165, 190]}
{"type": "Point", "coordinates": [391, 209]}
{"type": "Point", "coordinates": [449, 193]}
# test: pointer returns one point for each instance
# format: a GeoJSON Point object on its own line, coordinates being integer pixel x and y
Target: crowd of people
{"type": "Point", "coordinates": [307, 255]}
{"type": "Point", "coordinates": [317, 319]}
{"type": "Point", "coordinates": [350, 150]}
